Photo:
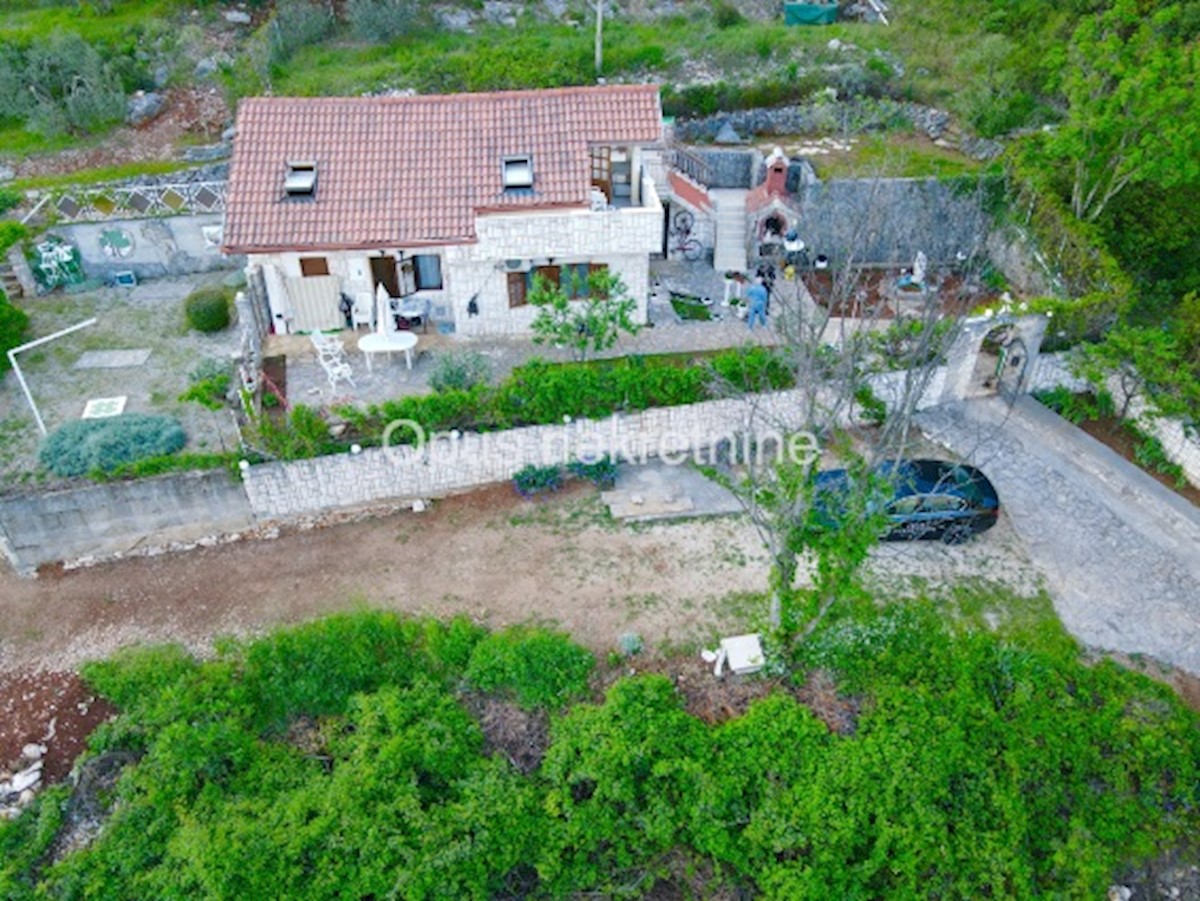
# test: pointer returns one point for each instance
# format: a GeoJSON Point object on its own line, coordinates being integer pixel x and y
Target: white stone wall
{"type": "Point", "coordinates": [1183, 450]}
{"type": "Point", "coordinates": [281, 490]}
{"type": "Point", "coordinates": [621, 238]}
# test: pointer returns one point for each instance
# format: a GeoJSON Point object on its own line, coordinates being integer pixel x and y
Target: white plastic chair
{"type": "Point", "coordinates": [328, 347]}
{"type": "Point", "coordinates": [337, 370]}
{"type": "Point", "coordinates": [363, 311]}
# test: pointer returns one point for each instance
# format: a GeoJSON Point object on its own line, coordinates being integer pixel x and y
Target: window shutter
{"type": "Point", "coordinates": [516, 289]}
{"type": "Point", "coordinates": [552, 275]}
{"type": "Point", "coordinates": [314, 266]}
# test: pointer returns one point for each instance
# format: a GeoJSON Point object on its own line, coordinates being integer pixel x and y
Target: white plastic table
{"type": "Point", "coordinates": [376, 343]}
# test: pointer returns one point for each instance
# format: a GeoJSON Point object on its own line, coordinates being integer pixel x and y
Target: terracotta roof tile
{"type": "Point", "coordinates": [396, 171]}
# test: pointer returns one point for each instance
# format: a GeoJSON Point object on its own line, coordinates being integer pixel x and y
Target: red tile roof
{"type": "Point", "coordinates": [405, 171]}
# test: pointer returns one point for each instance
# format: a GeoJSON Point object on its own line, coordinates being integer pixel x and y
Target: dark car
{"type": "Point", "coordinates": [920, 498]}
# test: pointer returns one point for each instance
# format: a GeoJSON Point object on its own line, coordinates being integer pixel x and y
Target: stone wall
{"type": "Point", "coordinates": [1052, 371]}
{"type": "Point", "coordinates": [117, 517]}
{"type": "Point", "coordinates": [175, 245]}
{"type": "Point", "coordinates": [374, 476]}
{"type": "Point", "coordinates": [887, 221]}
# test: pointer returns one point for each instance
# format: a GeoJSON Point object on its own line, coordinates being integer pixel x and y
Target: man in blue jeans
{"type": "Point", "coordinates": [756, 300]}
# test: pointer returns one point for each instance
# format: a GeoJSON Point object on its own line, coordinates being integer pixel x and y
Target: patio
{"type": "Point", "coordinates": [668, 333]}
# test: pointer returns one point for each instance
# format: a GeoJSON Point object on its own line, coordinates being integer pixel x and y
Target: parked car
{"type": "Point", "coordinates": [920, 498]}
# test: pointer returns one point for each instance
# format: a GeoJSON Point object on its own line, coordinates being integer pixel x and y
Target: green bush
{"type": "Point", "coordinates": [207, 309]}
{"type": "Point", "coordinates": [602, 473]}
{"type": "Point", "coordinates": [726, 15]}
{"type": "Point", "coordinates": [459, 370]}
{"type": "Point", "coordinates": [959, 756]}
{"type": "Point", "coordinates": [10, 233]}
{"type": "Point", "coordinates": [84, 445]}
{"type": "Point", "coordinates": [539, 668]}
{"type": "Point", "coordinates": [531, 480]}
{"type": "Point", "coordinates": [14, 323]}
{"type": "Point", "coordinates": [384, 21]}
{"type": "Point", "coordinates": [9, 199]}
{"type": "Point", "coordinates": [209, 384]}
{"type": "Point", "coordinates": [539, 393]}
{"type": "Point", "coordinates": [61, 84]}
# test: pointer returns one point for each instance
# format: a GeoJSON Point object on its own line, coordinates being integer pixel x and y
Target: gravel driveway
{"type": "Point", "coordinates": [1121, 553]}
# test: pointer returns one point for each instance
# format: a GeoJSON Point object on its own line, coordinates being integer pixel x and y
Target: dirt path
{"type": "Point", "coordinates": [487, 554]}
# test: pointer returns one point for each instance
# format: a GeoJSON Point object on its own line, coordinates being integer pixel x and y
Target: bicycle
{"type": "Point", "coordinates": [685, 245]}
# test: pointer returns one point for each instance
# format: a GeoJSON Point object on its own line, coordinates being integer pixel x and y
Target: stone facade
{"type": "Point", "coordinates": [622, 238]}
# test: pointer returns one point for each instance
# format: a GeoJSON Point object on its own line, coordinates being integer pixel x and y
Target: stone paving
{"type": "Point", "coordinates": [1120, 552]}
{"type": "Point", "coordinates": [390, 378]}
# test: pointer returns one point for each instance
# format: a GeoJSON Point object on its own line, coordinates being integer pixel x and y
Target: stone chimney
{"type": "Point", "coordinates": [777, 170]}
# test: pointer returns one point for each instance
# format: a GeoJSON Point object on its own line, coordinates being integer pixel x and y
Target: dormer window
{"type": "Point", "coordinates": [518, 173]}
{"type": "Point", "coordinates": [301, 180]}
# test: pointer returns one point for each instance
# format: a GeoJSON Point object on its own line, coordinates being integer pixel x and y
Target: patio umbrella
{"type": "Point", "coordinates": [383, 310]}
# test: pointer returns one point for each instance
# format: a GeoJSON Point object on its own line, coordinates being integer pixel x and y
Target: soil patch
{"type": "Point", "coordinates": [717, 700]}
{"type": "Point", "coordinates": [55, 709]}
{"type": "Point", "coordinates": [522, 736]}
{"type": "Point", "coordinates": [872, 295]}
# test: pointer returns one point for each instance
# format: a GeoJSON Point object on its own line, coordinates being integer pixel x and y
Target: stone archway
{"type": "Point", "coordinates": [993, 356]}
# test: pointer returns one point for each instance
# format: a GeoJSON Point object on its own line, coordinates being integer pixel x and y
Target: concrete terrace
{"type": "Point", "coordinates": [389, 378]}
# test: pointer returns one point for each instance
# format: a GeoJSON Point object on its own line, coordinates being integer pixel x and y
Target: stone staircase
{"type": "Point", "coordinates": [729, 213]}
{"type": "Point", "coordinates": [9, 283]}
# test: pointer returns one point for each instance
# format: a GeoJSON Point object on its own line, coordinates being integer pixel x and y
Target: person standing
{"type": "Point", "coordinates": [756, 300]}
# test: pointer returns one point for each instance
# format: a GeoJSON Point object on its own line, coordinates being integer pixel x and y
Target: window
{"type": "Point", "coordinates": [421, 272]}
{"type": "Point", "coordinates": [943, 503]}
{"type": "Point", "coordinates": [551, 275]}
{"type": "Point", "coordinates": [575, 279]}
{"type": "Point", "coordinates": [516, 289]}
{"type": "Point", "coordinates": [301, 178]}
{"type": "Point", "coordinates": [518, 173]}
{"type": "Point", "coordinates": [310, 266]}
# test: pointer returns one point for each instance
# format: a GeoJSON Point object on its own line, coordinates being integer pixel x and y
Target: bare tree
{"type": "Point", "coordinates": [861, 361]}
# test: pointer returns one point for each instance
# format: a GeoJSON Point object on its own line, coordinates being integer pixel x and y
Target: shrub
{"type": "Point", "coordinates": [532, 480]}
{"type": "Point", "coordinates": [8, 200]}
{"type": "Point", "coordinates": [207, 309]}
{"type": "Point", "coordinates": [539, 668]}
{"type": "Point", "coordinates": [104, 444]}
{"type": "Point", "coordinates": [209, 383]}
{"type": "Point", "coordinates": [602, 473]}
{"type": "Point", "coordinates": [10, 233]}
{"type": "Point", "coordinates": [726, 15]}
{"type": "Point", "coordinates": [61, 84]}
{"type": "Point", "coordinates": [384, 21]}
{"type": "Point", "coordinates": [13, 324]}
{"type": "Point", "coordinates": [459, 370]}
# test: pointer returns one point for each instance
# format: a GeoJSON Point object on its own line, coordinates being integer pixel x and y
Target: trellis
{"type": "Point", "coordinates": [137, 201]}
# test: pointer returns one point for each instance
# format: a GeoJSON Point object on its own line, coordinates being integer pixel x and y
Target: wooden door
{"type": "Point", "coordinates": [383, 272]}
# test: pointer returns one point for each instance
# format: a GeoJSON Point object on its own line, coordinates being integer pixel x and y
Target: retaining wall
{"type": "Point", "coordinates": [118, 517]}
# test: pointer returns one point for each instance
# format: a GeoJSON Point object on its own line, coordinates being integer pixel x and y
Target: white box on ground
{"type": "Point", "coordinates": [743, 653]}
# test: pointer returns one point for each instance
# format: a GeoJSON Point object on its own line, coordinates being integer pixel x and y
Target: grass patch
{"type": "Point", "coordinates": [896, 155]}
{"type": "Point", "coordinates": [690, 308]}
{"type": "Point", "coordinates": [100, 175]}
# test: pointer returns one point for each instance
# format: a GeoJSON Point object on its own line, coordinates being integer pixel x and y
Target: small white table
{"type": "Point", "coordinates": [376, 343]}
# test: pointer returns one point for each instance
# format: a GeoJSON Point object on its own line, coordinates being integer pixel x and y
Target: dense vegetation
{"type": "Point", "coordinates": [103, 445]}
{"type": "Point", "coordinates": [345, 758]}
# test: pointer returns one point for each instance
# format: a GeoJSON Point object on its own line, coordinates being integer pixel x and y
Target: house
{"type": "Point", "coordinates": [459, 200]}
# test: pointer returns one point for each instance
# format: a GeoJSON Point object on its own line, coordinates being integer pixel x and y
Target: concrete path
{"type": "Point", "coordinates": [1120, 552]}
